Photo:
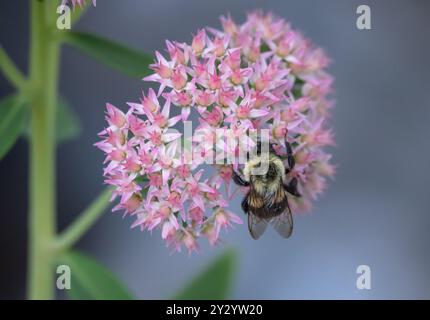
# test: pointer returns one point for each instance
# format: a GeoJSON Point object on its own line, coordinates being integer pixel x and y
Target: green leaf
{"type": "Point", "coordinates": [68, 126]}
{"type": "Point", "coordinates": [127, 60]}
{"type": "Point", "coordinates": [297, 88]}
{"type": "Point", "coordinates": [92, 281]}
{"type": "Point", "coordinates": [214, 282]}
{"type": "Point", "coordinates": [12, 119]}
{"type": "Point", "coordinates": [264, 47]}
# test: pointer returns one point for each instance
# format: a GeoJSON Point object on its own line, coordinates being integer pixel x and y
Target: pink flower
{"type": "Point", "coordinates": [225, 218]}
{"type": "Point", "coordinates": [246, 111]}
{"type": "Point", "coordinates": [199, 42]}
{"type": "Point", "coordinates": [196, 190]}
{"type": "Point", "coordinates": [79, 2]}
{"type": "Point", "coordinates": [260, 74]}
{"type": "Point", "coordinates": [115, 117]}
{"type": "Point", "coordinates": [163, 69]}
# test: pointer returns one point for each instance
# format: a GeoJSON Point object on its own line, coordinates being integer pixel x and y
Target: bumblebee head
{"type": "Point", "coordinates": [265, 169]}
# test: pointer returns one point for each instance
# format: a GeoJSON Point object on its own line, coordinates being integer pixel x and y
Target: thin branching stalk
{"type": "Point", "coordinates": [11, 72]}
{"type": "Point", "coordinates": [83, 222]}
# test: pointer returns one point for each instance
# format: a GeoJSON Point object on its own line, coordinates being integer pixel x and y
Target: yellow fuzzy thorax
{"type": "Point", "coordinates": [259, 181]}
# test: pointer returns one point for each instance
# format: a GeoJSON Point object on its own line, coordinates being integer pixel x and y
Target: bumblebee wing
{"type": "Point", "coordinates": [283, 223]}
{"type": "Point", "coordinates": [257, 209]}
{"type": "Point", "coordinates": [256, 225]}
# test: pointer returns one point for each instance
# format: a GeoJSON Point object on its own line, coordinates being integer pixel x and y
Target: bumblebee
{"type": "Point", "coordinates": [266, 201]}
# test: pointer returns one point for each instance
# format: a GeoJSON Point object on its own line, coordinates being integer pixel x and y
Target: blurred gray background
{"type": "Point", "coordinates": [376, 212]}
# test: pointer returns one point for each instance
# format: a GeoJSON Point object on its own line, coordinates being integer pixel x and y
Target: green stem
{"type": "Point", "coordinates": [85, 220]}
{"type": "Point", "coordinates": [11, 72]}
{"type": "Point", "coordinates": [44, 58]}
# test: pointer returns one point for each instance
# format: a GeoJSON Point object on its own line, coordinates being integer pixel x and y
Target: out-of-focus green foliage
{"type": "Point", "coordinates": [126, 60]}
{"type": "Point", "coordinates": [214, 282]}
{"type": "Point", "coordinates": [67, 123]}
{"type": "Point", "coordinates": [13, 113]}
{"type": "Point", "coordinates": [92, 281]}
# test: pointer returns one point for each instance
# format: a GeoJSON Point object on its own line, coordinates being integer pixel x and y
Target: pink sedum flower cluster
{"type": "Point", "coordinates": [260, 74]}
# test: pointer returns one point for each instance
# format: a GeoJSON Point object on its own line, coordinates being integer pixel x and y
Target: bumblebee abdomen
{"type": "Point", "coordinates": [267, 205]}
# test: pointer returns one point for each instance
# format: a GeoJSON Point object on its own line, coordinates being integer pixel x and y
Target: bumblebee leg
{"type": "Point", "coordinates": [239, 180]}
{"type": "Point", "coordinates": [292, 187]}
{"type": "Point", "coordinates": [290, 157]}
{"type": "Point", "coordinates": [272, 148]}
{"type": "Point", "coordinates": [259, 148]}
{"type": "Point", "coordinates": [245, 205]}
